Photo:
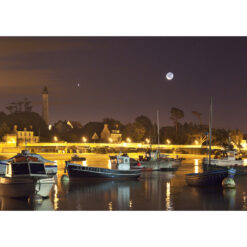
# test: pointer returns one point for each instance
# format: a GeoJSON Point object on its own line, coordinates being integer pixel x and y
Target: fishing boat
{"type": "Point", "coordinates": [120, 169]}
{"type": "Point", "coordinates": [24, 178]}
{"type": "Point", "coordinates": [25, 155]}
{"type": "Point", "coordinates": [225, 160]}
{"type": "Point", "coordinates": [209, 177]}
{"type": "Point", "coordinates": [155, 161]}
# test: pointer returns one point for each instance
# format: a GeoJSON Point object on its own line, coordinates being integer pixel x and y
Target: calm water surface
{"type": "Point", "coordinates": [153, 191]}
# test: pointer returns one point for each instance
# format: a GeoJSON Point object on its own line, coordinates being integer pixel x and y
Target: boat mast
{"type": "Point", "coordinates": [210, 129]}
{"type": "Point", "coordinates": [158, 129]}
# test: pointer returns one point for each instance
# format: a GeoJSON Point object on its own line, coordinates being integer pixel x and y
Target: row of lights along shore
{"type": "Point", "coordinates": [128, 140]}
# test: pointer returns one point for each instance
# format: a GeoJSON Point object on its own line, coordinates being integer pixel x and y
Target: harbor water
{"type": "Point", "coordinates": [153, 191]}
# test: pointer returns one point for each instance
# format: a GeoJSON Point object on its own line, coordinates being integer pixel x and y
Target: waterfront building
{"type": "Point", "coordinates": [105, 133]}
{"type": "Point", "coordinates": [113, 136]}
{"type": "Point", "coordinates": [45, 105]}
{"type": "Point", "coordinates": [62, 126]}
{"type": "Point", "coordinates": [95, 137]}
{"type": "Point", "coordinates": [116, 136]}
{"type": "Point", "coordinates": [21, 136]}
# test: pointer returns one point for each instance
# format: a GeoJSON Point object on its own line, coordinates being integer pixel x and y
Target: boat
{"type": "Point", "coordinates": [25, 155]}
{"type": "Point", "coordinates": [77, 158]}
{"type": "Point", "coordinates": [155, 161]}
{"type": "Point", "coordinates": [134, 163]}
{"type": "Point", "coordinates": [3, 164]}
{"type": "Point", "coordinates": [24, 178]}
{"type": "Point", "coordinates": [120, 169]}
{"type": "Point", "coordinates": [209, 177]}
{"type": "Point", "coordinates": [225, 160]}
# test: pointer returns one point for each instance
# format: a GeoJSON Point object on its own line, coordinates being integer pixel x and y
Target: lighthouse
{"type": "Point", "coordinates": [45, 105]}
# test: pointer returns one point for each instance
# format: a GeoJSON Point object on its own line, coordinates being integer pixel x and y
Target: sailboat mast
{"type": "Point", "coordinates": [158, 128]}
{"type": "Point", "coordinates": [210, 129]}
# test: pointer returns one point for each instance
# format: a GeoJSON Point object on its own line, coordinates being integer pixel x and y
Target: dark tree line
{"type": "Point", "coordinates": [20, 106]}
{"type": "Point", "coordinates": [141, 130]}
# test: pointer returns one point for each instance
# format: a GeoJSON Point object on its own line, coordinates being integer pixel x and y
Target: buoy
{"type": "Point", "coordinates": [35, 198]}
{"type": "Point", "coordinates": [65, 178]}
{"type": "Point", "coordinates": [228, 183]}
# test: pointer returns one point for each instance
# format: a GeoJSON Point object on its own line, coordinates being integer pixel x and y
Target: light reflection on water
{"type": "Point", "coordinates": [168, 198]}
{"type": "Point", "coordinates": [55, 198]}
{"type": "Point", "coordinates": [110, 206]}
{"type": "Point", "coordinates": [147, 193]}
{"type": "Point", "coordinates": [196, 165]}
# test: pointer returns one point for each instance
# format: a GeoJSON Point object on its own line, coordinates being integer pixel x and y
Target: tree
{"type": "Point", "coordinates": [14, 107]}
{"type": "Point", "coordinates": [27, 119]}
{"type": "Point", "coordinates": [198, 115]}
{"type": "Point", "coordinates": [4, 129]}
{"type": "Point", "coordinates": [19, 105]}
{"type": "Point", "coordinates": [134, 131]}
{"type": "Point", "coordinates": [200, 138]}
{"type": "Point", "coordinates": [147, 124]}
{"type": "Point", "coordinates": [113, 123]}
{"type": "Point", "coordinates": [27, 105]}
{"type": "Point", "coordinates": [176, 114]}
{"type": "Point", "coordinates": [236, 137]}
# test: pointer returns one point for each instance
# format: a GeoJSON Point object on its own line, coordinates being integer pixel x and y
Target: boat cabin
{"type": "Point", "coordinates": [150, 156]}
{"type": "Point", "coordinates": [231, 155]}
{"type": "Point", "coordinates": [26, 169]}
{"type": "Point", "coordinates": [120, 162]}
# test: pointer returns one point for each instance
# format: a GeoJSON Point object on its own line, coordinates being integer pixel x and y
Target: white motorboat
{"type": "Point", "coordinates": [228, 159]}
{"type": "Point", "coordinates": [25, 155]}
{"type": "Point", "coordinates": [24, 178]}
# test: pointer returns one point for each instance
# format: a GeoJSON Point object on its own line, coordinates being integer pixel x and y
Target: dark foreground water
{"type": "Point", "coordinates": [153, 191]}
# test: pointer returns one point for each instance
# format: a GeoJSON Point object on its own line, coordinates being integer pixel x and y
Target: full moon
{"type": "Point", "coordinates": [169, 76]}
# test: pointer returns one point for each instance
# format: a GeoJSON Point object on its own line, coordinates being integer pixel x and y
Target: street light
{"type": "Point", "coordinates": [196, 142]}
{"type": "Point", "coordinates": [110, 140]}
{"type": "Point", "coordinates": [84, 139]}
{"type": "Point", "coordinates": [55, 138]}
{"type": "Point", "coordinates": [168, 141]}
{"type": "Point", "coordinates": [128, 140]}
{"type": "Point", "coordinates": [147, 140]}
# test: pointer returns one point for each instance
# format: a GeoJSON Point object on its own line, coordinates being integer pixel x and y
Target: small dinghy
{"type": "Point", "coordinates": [120, 169]}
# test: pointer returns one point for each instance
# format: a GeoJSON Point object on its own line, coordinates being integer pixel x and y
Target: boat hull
{"type": "Point", "coordinates": [210, 178]}
{"type": "Point", "coordinates": [240, 170]}
{"type": "Point", "coordinates": [76, 171]}
{"type": "Point", "coordinates": [24, 187]}
{"type": "Point", "coordinates": [223, 162]}
{"type": "Point", "coordinates": [161, 165]}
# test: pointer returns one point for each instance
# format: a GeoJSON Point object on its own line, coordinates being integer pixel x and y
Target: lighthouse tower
{"type": "Point", "coordinates": [45, 105]}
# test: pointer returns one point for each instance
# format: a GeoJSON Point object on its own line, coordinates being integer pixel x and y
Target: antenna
{"type": "Point", "coordinates": [210, 128]}
{"type": "Point", "coordinates": [158, 129]}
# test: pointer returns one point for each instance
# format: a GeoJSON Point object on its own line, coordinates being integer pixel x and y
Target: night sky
{"type": "Point", "coordinates": [124, 77]}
